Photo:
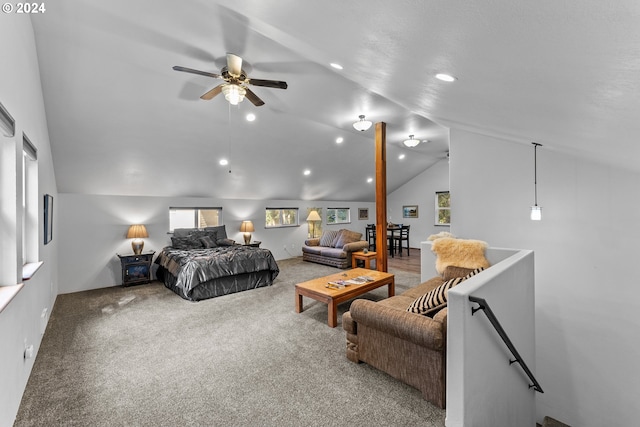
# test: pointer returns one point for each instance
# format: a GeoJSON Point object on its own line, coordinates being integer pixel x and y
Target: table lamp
{"type": "Point", "coordinates": [247, 227]}
{"type": "Point", "coordinates": [313, 216]}
{"type": "Point", "coordinates": [137, 232]}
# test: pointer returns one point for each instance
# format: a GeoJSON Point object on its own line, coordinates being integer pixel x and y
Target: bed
{"type": "Point", "coordinates": [202, 264]}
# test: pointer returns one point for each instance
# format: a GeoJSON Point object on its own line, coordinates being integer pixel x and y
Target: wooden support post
{"type": "Point", "coordinates": [381, 196]}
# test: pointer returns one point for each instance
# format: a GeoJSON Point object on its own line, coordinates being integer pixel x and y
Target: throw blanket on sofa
{"type": "Point", "coordinates": [195, 267]}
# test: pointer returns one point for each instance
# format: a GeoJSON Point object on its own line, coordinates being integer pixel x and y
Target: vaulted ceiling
{"type": "Point", "coordinates": [121, 121]}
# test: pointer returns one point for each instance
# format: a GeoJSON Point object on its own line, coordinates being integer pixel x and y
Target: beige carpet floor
{"type": "Point", "coordinates": [142, 356]}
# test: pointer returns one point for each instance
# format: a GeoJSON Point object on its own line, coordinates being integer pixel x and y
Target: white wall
{"type": "Point", "coordinates": [420, 191]}
{"type": "Point", "coordinates": [20, 321]}
{"type": "Point", "coordinates": [93, 229]}
{"type": "Point", "coordinates": [587, 302]}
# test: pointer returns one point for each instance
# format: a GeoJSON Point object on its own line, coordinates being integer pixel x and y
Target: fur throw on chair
{"type": "Point", "coordinates": [459, 253]}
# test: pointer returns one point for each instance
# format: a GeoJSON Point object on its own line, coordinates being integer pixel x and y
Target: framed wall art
{"type": "Point", "coordinates": [363, 213]}
{"type": "Point", "coordinates": [48, 218]}
{"type": "Point", "coordinates": [410, 211]}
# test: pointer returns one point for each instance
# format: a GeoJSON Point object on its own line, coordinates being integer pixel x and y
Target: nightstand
{"type": "Point", "coordinates": [254, 244]}
{"type": "Point", "coordinates": [136, 269]}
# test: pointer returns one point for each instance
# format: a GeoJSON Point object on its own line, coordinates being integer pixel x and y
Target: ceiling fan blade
{"type": "Point", "coordinates": [213, 92]}
{"type": "Point", "coordinates": [234, 64]}
{"type": "Point", "coordinates": [255, 100]}
{"type": "Point", "coordinates": [191, 70]}
{"type": "Point", "coordinates": [268, 83]}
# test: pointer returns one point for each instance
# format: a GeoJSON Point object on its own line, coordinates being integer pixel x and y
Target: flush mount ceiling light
{"type": "Point", "coordinates": [250, 117]}
{"type": "Point", "coordinates": [339, 140]}
{"type": "Point", "coordinates": [411, 142]}
{"type": "Point", "coordinates": [336, 66]}
{"type": "Point", "coordinates": [233, 93]}
{"type": "Point", "coordinates": [445, 77]}
{"type": "Point", "coordinates": [536, 211]}
{"type": "Point", "coordinates": [362, 124]}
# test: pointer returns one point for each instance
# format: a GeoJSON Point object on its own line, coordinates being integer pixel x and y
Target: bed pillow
{"type": "Point", "coordinates": [220, 230]}
{"type": "Point", "coordinates": [327, 238]}
{"type": "Point", "coordinates": [209, 241]}
{"type": "Point", "coordinates": [346, 236]}
{"type": "Point", "coordinates": [459, 252]}
{"type": "Point", "coordinates": [187, 242]}
{"type": "Point", "coordinates": [183, 232]}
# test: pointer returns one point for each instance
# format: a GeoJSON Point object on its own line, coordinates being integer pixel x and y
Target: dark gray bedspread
{"type": "Point", "coordinates": [196, 266]}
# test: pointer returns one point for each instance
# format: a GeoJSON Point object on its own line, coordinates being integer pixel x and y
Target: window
{"type": "Point", "coordinates": [443, 208]}
{"type": "Point", "coordinates": [30, 243]}
{"type": "Point", "coordinates": [338, 215]}
{"type": "Point", "coordinates": [7, 123]}
{"type": "Point", "coordinates": [194, 218]}
{"type": "Point", "coordinates": [281, 217]}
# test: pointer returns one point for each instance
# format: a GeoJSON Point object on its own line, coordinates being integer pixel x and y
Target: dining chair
{"type": "Point", "coordinates": [371, 236]}
{"type": "Point", "coordinates": [402, 236]}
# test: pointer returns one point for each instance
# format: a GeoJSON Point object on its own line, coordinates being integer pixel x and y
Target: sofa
{"type": "Point", "coordinates": [333, 248]}
{"type": "Point", "coordinates": [406, 335]}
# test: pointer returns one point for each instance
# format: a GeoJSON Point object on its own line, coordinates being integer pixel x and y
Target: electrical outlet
{"type": "Point", "coordinates": [293, 246]}
{"type": "Point", "coordinates": [285, 247]}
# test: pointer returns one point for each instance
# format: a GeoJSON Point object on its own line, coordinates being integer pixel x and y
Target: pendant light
{"type": "Point", "coordinates": [362, 124]}
{"type": "Point", "coordinates": [536, 211]}
{"type": "Point", "coordinates": [411, 142]}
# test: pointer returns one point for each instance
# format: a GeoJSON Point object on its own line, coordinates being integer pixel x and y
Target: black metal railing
{"type": "Point", "coordinates": [484, 306]}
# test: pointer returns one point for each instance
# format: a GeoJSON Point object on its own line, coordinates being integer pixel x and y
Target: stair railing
{"type": "Point", "coordinates": [484, 306]}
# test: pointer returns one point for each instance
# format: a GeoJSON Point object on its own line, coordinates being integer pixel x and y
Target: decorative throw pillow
{"type": "Point", "coordinates": [208, 241]}
{"type": "Point", "coordinates": [459, 252]}
{"type": "Point", "coordinates": [434, 298]}
{"type": "Point", "coordinates": [346, 236]}
{"type": "Point", "coordinates": [453, 271]}
{"type": "Point", "coordinates": [327, 238]}
{"type": "Point", "coordinates": [473, 272]}
{"type": "Point", "coordinates": [437, 297]}
{"type": "Point", "coordinates": [187, 242]}
{"type": "Point", "coordinates": [225, 242]}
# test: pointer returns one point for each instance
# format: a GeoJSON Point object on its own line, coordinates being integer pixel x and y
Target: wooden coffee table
{"type": "Point", "coordinates": [317, 289]}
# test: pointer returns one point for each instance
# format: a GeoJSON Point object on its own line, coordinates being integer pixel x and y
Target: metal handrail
{"type": "Point", "coordinates": [484, 306]}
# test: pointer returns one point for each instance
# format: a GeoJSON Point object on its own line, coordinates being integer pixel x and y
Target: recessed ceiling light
{"type": "Point", "coordinates": [336, 66]}
{"type": "Point", "coordinates": [339, 140]}
{"type": "Point", "coordinates": [369, 179]}
{"type": "Point", "coordinates": [446, 77]}
{"type": "Point", "coordinates": [401, 156]}
{"type": "Point", "coordinates": [224, 162]}
{"type": "Point", "coordinates": [251, 117]}
{"type": "Point", "coordinates": [307, 172]}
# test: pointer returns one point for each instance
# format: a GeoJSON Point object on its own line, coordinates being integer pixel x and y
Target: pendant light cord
{"type": "Point", "coordinates": [535, 172]}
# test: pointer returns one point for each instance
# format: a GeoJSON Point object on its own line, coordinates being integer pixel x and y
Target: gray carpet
{"type": "Point", "coordinates": [142, 356]}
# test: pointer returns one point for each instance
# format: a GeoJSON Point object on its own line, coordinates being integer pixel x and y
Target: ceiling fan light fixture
{"type": "Point", "coordinates": [233, 93]}
{"type": "Point", "coordinates": [411, 142]}
{"type": "Point", "coordinates": [362, 124]}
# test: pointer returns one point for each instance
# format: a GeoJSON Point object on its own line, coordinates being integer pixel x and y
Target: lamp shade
{"type": "Point", "coordinates": [314, 216]}
{"type": "Point", "coordinates": [137, 231]}
{"type": "Point", "coordinates": [246, 227]}
{"type": "Point", "coordinates": [536, 213]}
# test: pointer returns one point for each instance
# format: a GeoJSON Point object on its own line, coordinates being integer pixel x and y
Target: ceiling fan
{"type": "Point", "coordinates": [235, 82]}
